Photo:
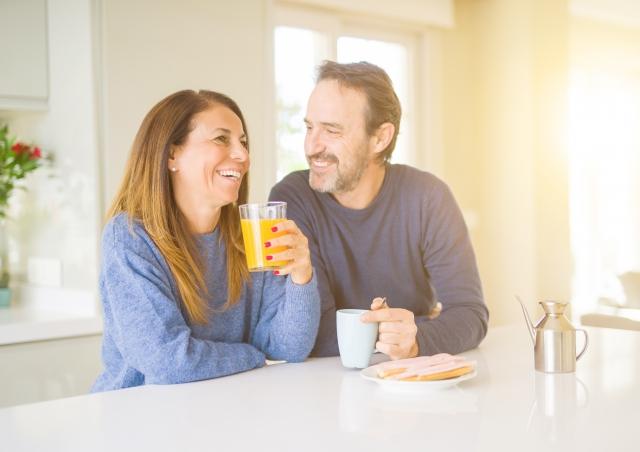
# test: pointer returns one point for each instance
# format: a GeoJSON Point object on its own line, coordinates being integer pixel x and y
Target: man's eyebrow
{"type": "Point", "coordinates": [332, 125]}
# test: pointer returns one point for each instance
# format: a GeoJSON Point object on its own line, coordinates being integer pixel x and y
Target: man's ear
{"type": "Point", "coordinates": [383, 136]}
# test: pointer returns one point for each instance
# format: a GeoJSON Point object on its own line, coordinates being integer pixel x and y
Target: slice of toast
{"type": "Point", "coordinates": [390, 368]}
{"type": "Point", "coordinates": [441, 375]}
{"type": "Point", "coordinates": [390, 372]}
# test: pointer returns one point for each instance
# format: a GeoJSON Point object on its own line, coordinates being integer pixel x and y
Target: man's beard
{"type": "Point", "coordinates": [346, 175]}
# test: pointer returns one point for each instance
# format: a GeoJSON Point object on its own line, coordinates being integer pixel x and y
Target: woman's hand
{"type": "Point", "coordinates": [297, 253]}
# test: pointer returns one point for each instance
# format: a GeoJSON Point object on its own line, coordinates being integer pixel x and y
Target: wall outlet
{"type": "Point", "coordinates": [44, 271]}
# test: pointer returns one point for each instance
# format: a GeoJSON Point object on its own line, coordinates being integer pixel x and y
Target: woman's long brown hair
{"type": "Point", "coordinates": [146, 195]}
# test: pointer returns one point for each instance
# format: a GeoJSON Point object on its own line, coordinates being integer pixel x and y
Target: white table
{"type": "Point", "coordinates": [319, 406]}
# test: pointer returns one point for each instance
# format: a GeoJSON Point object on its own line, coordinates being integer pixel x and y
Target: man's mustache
{"type": "Point", "coordinates": [324, 155]}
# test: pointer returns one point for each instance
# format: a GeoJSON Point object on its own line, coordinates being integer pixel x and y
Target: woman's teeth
{"type": "Point", "coordinates": [231, 174]}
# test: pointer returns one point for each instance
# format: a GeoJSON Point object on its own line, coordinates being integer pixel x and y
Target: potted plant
{"type": "Point", "coordinates": [17, 159]}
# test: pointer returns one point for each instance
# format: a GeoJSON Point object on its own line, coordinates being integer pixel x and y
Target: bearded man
{"type": "Point", "coordinates": [385, 237]}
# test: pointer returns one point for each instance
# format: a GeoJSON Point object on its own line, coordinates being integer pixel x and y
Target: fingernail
{"type": "Point", "coordinates": [267, 244]}
{"type": "Point", "coordinates": [269, 258]}
{"type": "Point", "coordinates": [276, 272]}
{"type": "Point", "coordinates": [274, 229]}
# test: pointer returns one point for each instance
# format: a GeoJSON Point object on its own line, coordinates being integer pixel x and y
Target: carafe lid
{"type": "Point", "coordinates": [553, 307]}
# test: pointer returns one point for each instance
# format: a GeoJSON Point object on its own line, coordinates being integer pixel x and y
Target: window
{"type": "Point", "coordinates": [302, 39]}
{"type": "Point", "coordinates": [604, 164]}
{"type": "Point", "coordinates": [297, 53]}
{"type": "Point", "coordinates": [605, 192]}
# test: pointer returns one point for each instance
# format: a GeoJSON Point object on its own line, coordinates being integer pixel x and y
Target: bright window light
{"type": "Point", "coordinates": [297, 54]}
{"type": "Point", "coordinates": [394, 59]}
{"type": "Point", "coordinates": [604, 140]}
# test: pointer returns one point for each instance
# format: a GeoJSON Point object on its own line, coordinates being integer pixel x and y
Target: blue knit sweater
{"type": "Point", "coordinates": [146, 338]}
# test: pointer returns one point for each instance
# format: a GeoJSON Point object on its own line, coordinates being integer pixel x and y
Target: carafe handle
{"type": "Point", "coordinates": [586, 342]}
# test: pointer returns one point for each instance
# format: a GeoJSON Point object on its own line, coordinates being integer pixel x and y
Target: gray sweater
{"type": "Point", "coordinates": [410, 245]}
{"type": "Point", "coordinates": [147, 339]}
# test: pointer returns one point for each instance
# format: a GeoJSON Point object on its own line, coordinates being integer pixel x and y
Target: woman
{"type": "Point", "coordinates": [179, 302]}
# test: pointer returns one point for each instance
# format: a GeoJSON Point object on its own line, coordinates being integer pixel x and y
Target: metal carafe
{"type": "Point", "coordinates": [554, 339]}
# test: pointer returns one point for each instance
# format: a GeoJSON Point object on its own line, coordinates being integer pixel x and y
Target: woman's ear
{"type": "Point", "coordinates": [383, 136]}
{"type": "Point", "coordinates": [172, 164]}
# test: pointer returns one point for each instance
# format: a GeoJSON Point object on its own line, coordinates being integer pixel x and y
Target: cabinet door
{"type": "Point", "coordinates": [23, 49]}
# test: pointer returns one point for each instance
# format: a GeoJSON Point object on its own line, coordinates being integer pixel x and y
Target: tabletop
{"type": "Point", "coordinates": [320, 406]}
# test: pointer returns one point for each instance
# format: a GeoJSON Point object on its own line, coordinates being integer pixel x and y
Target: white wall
{"type": "Point", "coordinates": [504, 94]}
{"type": "Point", "coordinates": [432, 12]}
{"type": "Point", "coordinates": [154, 48]}
{"type": "Point", "coordinates": [58, 217]}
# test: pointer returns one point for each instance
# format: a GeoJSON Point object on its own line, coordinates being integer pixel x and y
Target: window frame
{"type": "Point", "coordinates": [424, 100]}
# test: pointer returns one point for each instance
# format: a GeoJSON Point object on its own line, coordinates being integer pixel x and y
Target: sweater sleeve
{"type": "Point", "coordinates": [450, 262]}
{"type": "Point", "coordinates": [147, 324]}
{"type": "Point", "coordinates": [289, 317]}
{"type": "Point", "coordinates": [327, 340]}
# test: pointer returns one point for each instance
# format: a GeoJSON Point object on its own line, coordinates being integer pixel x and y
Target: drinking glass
{"type": "Point", "coordinates": [257, 221]}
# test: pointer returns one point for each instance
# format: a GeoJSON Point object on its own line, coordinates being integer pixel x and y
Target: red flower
{"type": "Point", "coordinates": [19, 148]}
{"type": "Point", "coordinates": [16, 160]}
{"type": "Point", "coordinates": [36, 154]}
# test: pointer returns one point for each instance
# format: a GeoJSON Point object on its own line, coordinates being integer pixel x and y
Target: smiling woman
{"type": "Point", "coordinates": [208, 168]}
{"type": "Point", "coordinates": [179, 302]}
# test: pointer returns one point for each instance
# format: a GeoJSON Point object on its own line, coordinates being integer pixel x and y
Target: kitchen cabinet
{"type": "Point", "coordinates": [24, 73]}
{"type": "Point", "coordinates": [45, 370]}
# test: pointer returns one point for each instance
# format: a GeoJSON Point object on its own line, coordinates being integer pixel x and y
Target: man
{"type": "Point", "coordinates": [378, 230]}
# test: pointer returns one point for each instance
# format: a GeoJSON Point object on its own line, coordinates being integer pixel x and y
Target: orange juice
{"type": "Point", "coordinates": [255, 233]}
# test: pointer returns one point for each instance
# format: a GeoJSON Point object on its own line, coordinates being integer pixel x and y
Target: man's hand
{"type": "Point", "coordinates": [397, 330]}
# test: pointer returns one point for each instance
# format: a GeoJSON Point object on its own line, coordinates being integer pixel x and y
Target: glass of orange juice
{"type": "Point", "coordinates": [256, 221]}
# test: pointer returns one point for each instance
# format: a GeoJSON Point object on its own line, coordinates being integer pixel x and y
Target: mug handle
{"type": "Point", "coordinates": [586, 343]}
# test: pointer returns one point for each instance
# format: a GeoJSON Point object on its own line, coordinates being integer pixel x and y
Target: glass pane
{"type": "Point", "coordinates": [297, 54]}
{"type": "Point", "coordinates": [394, 59]}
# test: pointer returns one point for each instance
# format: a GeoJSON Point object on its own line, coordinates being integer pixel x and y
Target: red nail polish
{"type": "Point", "coordinates": [274, 229]}
{"type": "Point", "coordinates": [276, 272]}
{"type": "Point", "coordinates": [267, 244]}
{"type": "Point", "coordinates": [269, 258]}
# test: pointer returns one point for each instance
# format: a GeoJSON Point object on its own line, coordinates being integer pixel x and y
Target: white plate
{"type": "Point", "coordinates": [412, 386]}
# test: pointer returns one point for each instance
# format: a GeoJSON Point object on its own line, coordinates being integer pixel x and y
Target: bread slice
{"type": "Point", "coordinates": [391, 372]}
{"type": "Point", "coordinates": [441, 375]}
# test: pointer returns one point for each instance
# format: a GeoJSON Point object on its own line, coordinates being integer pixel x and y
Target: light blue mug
{"type": "Point", "coordinates": [356, 339]}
